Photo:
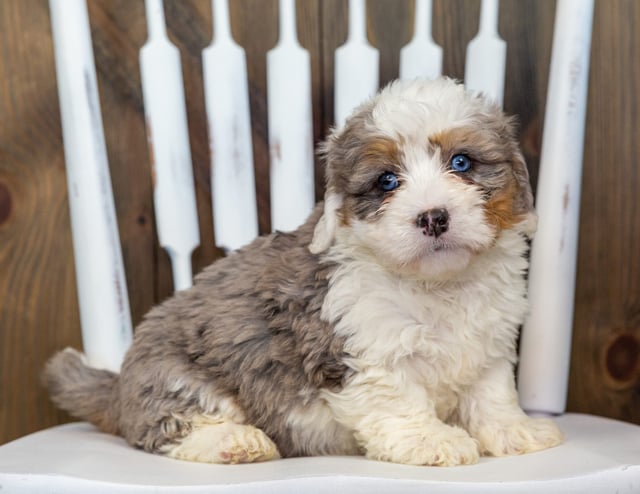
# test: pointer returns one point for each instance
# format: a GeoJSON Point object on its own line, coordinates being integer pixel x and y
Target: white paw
{"type": "Point", "coordinates": [224, 442]}
{"type": "Point", "coordinates": [247, 446]}
{"type": "Point", "coordinates": [438, 446]}
{"type": "Point", "coordinates": [518, 437]}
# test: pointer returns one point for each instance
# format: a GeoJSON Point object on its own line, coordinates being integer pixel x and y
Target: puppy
{"type": "Point", "coordinates": [386, 325]}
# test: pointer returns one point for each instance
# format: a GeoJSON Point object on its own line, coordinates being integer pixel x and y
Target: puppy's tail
{"type": "Point", "coordinates": [85, 392]}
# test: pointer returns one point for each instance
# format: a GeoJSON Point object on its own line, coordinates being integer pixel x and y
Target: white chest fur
{"type": "Point", "coordinates": [439, 336]}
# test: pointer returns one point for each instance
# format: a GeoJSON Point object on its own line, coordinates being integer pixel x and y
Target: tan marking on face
{"type": "Point", "coordinates": [381, 149]}
{"type": "Point", "coordinates": [373, 156]}
{"type": "Point", "coordinates": [499, 209]}
{"type": "Point", "coordinates": [497, 168]}
{"type": "Point", "coordinates": [344, 217]}
{"type": "Point", "coordinates": [480, 144]}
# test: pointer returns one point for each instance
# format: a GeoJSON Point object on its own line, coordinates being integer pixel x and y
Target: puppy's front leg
{"type": "Point", "coordinates": [397, 422]}
{"type": "Point", "coordinates": [489, 410]}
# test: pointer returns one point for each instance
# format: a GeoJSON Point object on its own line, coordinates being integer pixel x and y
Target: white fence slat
{"type": "Point", "coordinates": [290, 126]}
{"type": "Point", "coordinates": [487, 55]}
{"type": "Point", "coordinates": [235, 217]}
{"type": "Point", "coordinates": [102, 287]}
{"type": "Point", "coordinates": [168, 136]}
{"type": "Point", "coordinates": [356, 65]}
{"type": "Point", "coordinates": [421, 57]}
{"type": "Point", "coordinates": [546, 337]}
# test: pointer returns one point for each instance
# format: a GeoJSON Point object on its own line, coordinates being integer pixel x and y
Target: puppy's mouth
{"type": "Point", "coordinates": [438, 246]}
{"type": "Point", "coordinates": [444, 245]}
{"type": "Point", "coordinates": [438, 259]}
{"type": "Point", "coordinates": [441, 241]}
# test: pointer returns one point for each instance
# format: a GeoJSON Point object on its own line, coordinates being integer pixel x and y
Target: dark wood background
{"type": "Point", "coordinates": [38, 306]}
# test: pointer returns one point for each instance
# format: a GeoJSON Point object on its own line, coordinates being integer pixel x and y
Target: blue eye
{"type": "Point", "coordinates": [460, 163]}
{"type": "Point", "coordinates": [388, 181]}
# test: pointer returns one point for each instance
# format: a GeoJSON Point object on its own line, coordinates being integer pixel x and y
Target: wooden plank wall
{"type": "Point", "coordinates": [38, 307]}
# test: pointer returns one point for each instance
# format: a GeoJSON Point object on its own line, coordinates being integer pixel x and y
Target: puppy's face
{"type": "Point", "coordinates": [424, 177]}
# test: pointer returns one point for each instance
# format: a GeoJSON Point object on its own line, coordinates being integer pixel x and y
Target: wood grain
{"type": "Point", "coordinates": [605, 366]}
{"type": "Point", "coordinates": [255, 27]}
{"type": "Point", "coordinates": [38, 305]}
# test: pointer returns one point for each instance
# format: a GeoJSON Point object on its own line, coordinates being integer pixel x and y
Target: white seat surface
{"type": "Point", "coordinates": [600, 455]}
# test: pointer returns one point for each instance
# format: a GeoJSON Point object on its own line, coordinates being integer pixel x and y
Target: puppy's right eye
{"type": "Point", "coordinates": [388, 181]}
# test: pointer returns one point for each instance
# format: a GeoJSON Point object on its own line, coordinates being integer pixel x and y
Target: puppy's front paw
{"type": "Point", "coordinates": [442, 446]}
{"type": "Point", "coordinates": [521, 436]}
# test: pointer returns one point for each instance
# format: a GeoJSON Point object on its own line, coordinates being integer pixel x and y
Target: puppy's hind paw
{"type": "Point", "coordinates": [247, 446]}
{"type": "Point", "coordinates": [525, 435]}
{"type": "Point", "coordinates": [220, 441]}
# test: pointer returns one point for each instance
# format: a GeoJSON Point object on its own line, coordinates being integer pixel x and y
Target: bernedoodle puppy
{"type": "Point", "coordinates": [386, 325]}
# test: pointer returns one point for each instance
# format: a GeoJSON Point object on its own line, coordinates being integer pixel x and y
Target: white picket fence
{"type": "Point", "coordinates": [105, 318]}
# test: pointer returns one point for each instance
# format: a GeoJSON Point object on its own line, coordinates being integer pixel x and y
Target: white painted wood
{"type": "Point", "coordinates": [599, 456]}
{"type": "Point", "coordinates": [102, 288]}
{"type": "Point", "coordinates": [168, 137]}
{"type": "Point", "coordinates": [487, 55]}
{"type": "Point", "coordinates": [290, 126]}
{"type": "Point", "coordinates": [235, 216]}
{"type": "Point", "coordinates": [422, 56]}
{"type": "Point", "coordinates": [546, 337]}
{"type": "Point", "coordinates": [356, 65]}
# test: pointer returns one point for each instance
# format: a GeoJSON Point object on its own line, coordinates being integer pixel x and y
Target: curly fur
{"type": "Point", "coordinates": [362, 332]}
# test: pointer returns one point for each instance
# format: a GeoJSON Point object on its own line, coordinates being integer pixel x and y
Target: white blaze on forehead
{"type": "Point", "coordinates": [415, 109]}
{"type": "Point", "coordinates": [424, 180]}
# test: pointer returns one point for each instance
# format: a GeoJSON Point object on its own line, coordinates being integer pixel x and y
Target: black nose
{"type": "Point", "coordinates": [433, 222]}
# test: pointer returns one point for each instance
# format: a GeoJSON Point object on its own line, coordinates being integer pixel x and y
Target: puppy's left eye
{"type": "Point", "coordinates": [388, 181]}
{"type": "Point", "coordinates": [460, 163]}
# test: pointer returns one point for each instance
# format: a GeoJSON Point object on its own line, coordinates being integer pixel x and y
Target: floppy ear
{"type": "Point", "coordinates": [524, 202]}
{"type": "Point", "coordinates": [325, 230]}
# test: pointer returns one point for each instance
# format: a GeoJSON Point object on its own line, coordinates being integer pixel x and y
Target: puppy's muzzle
{"type": "Point", "coordinates": [433, 222]}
